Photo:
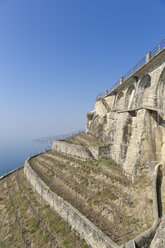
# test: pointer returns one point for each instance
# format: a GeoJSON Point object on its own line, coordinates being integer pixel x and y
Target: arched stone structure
{"type": "Point", "coordinates": [129, 98]}
{"type": "Point", "coordinates": [160, 91]}
{"type": "Point", "coordinates": [119, 101]}
{"type": "Point", "coordinates": [143, 85]}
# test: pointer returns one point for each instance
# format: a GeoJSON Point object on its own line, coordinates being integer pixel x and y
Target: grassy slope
{"type": "Point", "coordinates": [97, 189]}
{"type": "Point", "coordinates": [119, 208]}
{"type": "Point", "coordinates": [36, 231]}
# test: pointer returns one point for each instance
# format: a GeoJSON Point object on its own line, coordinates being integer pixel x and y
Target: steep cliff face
{"type": "Point", "coordinates": [131, 120]}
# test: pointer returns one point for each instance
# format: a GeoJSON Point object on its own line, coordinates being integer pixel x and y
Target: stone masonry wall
{"type": "Point", "coordinates": [134, 125]}
{"type": "Point", "coordinates": [159, 239]}
{"type": "Point", "coordinates": [73, 150]}
{"type": "Point", "coordinates": [94, 151]}
{"type": "Point", "coordinates": [87, 230]}
{"type": "Point", "coordinates": [100, 151]}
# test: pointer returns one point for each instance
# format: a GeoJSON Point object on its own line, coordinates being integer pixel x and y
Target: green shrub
{"type": "Point", "coordinates": [66, 242]}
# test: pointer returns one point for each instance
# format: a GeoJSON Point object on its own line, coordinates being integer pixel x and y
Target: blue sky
{"type": "Point", "coordinates": [57, 55]}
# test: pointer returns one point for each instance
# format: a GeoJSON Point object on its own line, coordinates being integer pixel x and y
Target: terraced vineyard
{"type": "Point", "coordinates": [99, 191]}
{"type": "Point", "coordinates": [84, 139]}
{"type": "Point", "coordinates": [26, 221]}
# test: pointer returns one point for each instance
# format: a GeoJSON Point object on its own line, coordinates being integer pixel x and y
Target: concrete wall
{"type": "Point", "coordinates": [73, 150]}
{"type": "Point", "coordinates": [87, 230]}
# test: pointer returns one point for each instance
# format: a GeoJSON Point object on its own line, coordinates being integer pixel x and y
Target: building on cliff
{"type": "Point", "coordinates": [130, 117]}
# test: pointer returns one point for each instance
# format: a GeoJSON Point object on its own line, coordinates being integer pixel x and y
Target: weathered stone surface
{"type": "Point", "coordinates": [73, 150]}
{"type": "Point", "coordinates": [159, 239]}
{"type": "Point", "coordinates": [130, 244]}
{"type": "Point", "coordinates": [86, 229]}
{"type": "Point", "coordinates": [81, 152]}
{"type": "Point", "coordinates": [131, 119]}
{"type": "Point", "coordinates": [94, 151]}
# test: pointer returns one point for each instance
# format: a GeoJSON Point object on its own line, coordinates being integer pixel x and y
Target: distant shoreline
{"type": "Point", "coordinates": [49, 140]}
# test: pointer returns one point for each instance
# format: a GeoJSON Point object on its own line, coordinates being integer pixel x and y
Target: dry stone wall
{"type": "Point", "coordinates": [94, 151]}
{"type": "Point", "coordinates": [100, 108]}
{"type": "Point", "coordinates": [159, 239]}
{"type": "Point", "coordinates": [81, 152]}
{"type": "Point", "coordinates": [100, 151]}
{"type": "Point", "coordinates": [87, 230]}
{"type": "Point", "coordinates": [72, 150]}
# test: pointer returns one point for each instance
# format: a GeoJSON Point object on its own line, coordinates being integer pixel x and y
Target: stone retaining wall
{"type": "Point", "coordinates": [133, 126]}
{"type": "Point", "coordinates": [144, 239]}
{"type": "Point", "coordinates": [94, 150]}
{"type": "Point", "coordinates": [104, 151]}
{"type": "Point", "coordinates": [74, 150]}
{"type": "Point", "coordinates": [159, 239]}
{"type": "Point", "coordinates": [100, 151]}
{"type": "Point", "coordinates": [86, 229]}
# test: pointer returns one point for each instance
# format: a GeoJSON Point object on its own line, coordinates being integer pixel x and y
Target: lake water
{"type": "Point", "coordinates": [13, 153]}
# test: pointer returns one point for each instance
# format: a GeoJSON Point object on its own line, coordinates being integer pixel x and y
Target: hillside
{"type": "Point", "coordinates": [26, 221]}
{"type": "Point", "coordinates": [99, 191]}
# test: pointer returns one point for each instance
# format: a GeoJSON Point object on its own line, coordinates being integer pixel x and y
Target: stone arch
{"type": "Point", "coordinates": [119, 101]}
{"type": "Point", "coordinates": [143, 85]}
{"type": "Point", "coordinates": [160, 91]}
{"type": "Point", "coordinates": [129, 99]}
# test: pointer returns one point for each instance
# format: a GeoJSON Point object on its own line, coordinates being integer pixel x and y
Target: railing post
{"type": "Point", "coordinates": [148, 57]}
{"type": "Point", "coordinates": [121, 80]}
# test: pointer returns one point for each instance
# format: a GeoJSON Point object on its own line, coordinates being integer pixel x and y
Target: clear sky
{"type": "Point", "coordinates": [57, 55]}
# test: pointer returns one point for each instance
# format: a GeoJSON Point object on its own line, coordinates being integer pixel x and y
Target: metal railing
{"type": "Point", "coordinates": [135, 68]}
{"type": "Point", "coordinates": [140, 64]}
{"type": "Point", "coordinates": [100, 95]}
{"type": "Point", "coordinates": [114, 86]}
{"type": "Point", "coordinates": [158, 48]}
